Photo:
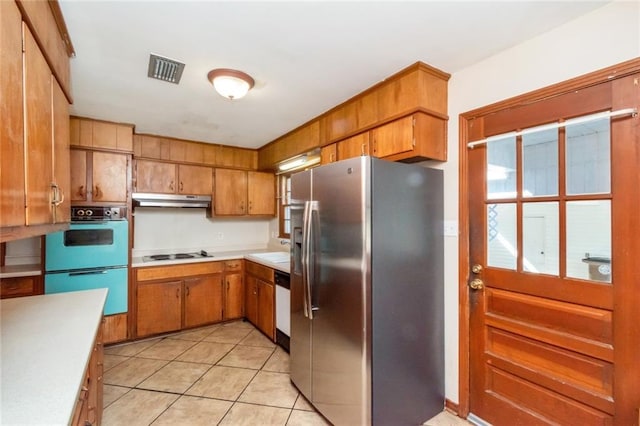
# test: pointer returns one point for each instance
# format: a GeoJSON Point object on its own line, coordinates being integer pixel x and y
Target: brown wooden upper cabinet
{"type": "Point", "coordinates": [170, 178]}
{"type": "Point", "coordinates": [100, 177]}
{"type": "Point", "coordinates": [329, 153]}
{"type": "Point", "coordinates": [409, 138]}
{"type": "Point", "coordinates": [239, 193]}
{"type": "Point", "coordinates": [101, 135]}
{"type": "Point", "coordinates": [182, 151]}
{"type": "Point", "coordinates": [354, 146]}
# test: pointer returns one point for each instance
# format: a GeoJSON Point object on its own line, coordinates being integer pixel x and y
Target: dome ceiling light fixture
{"type": "Point", "coordinates": [232, 84]}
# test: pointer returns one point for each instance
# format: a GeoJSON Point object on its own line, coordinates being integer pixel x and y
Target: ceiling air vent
{"type": "Point", "coordinates": [165, 69]}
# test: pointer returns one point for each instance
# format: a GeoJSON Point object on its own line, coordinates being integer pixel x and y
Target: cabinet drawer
{"type": "Point", "coordinates": [178, 271]}
{"type": "Point", "coordinates": [233, 265]}
{"type": "Point", "coordinates": [14, 287]}
{"type": "Point", "coordinates": [263, 272]}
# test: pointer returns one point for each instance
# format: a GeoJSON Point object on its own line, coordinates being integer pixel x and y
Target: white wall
{"type": "Point", "coordinates": [156, 229]}
{"type": "Point", "coordinates": [604, 37]}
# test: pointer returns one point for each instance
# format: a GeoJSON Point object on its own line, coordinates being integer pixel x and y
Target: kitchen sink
{"type": "Point", "coordinates": [275, 257]}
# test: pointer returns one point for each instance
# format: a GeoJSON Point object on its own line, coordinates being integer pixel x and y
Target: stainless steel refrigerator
{"type": "Point", "coordinates": [367, 333]}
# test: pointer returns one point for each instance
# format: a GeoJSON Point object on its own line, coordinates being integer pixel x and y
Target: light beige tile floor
{"type": "Point", "coordinates": [225, 374]}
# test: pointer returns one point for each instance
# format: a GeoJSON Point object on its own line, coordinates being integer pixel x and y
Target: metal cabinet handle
{"type": "Point", "coordinates": [187, 290]}
{"type": "Point", "coordinates": [181, 186]}
{"type": "Point", "coordinates": [81, 193]}
{"type": "Point", "coordinates": [171, 185]}
{"type": "Point", "coordinates": [98, 194]}
{"type": "Point", "coordinates": [178, 293]}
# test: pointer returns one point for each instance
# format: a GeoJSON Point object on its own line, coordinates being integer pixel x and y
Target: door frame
{"type": "Point", "coordinates": [600, 76]}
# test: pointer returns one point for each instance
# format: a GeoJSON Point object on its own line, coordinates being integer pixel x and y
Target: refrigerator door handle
{"type": "Point", "coordinates": [306, 223]}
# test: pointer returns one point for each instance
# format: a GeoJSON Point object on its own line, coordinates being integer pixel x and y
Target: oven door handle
{"type": "Point", "coordinates": [102, 271]}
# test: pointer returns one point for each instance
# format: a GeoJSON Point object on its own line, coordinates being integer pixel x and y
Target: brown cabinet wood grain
{"type": "Point", "coordinates": [260, 297]}
{"type": "Point", "coordinates": [239, 193]}
{"type": "Point", "coordinates": [202, 300]}
{"type": "Point", "coordinates": [61, 156]}
{"type": "Point", "coordinates": [101, 135]}
{"type": "Point", "coordinates": [12, 212]}
{"type": "Point", "coordinates": [170, 178]}
{"type": "Point", "coordinates": [159, 307]}
{"type": "Point", "coordinates": [99, 177]}
{"type": "Point", "coordinates": [329, 153]}
{"type": "Point", "coordinates": [115, 328]}
{"type": "Point", "coordinates": [88, 409]}
{"type": "Point", "coordinates": [170, 298]}
{"type": "Point", "coordinates": [18, 286]}
{"type": "Point", "coordinates": [354, 146]}
{"type": "Point", "coordinates": [233, 289]}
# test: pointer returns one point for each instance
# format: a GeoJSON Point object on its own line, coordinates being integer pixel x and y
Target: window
{"type": "Point", "coordinates": [284, 208]}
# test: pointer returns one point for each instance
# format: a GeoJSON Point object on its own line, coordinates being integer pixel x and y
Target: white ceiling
{"type": "Point", "coordinates": [305, 57]}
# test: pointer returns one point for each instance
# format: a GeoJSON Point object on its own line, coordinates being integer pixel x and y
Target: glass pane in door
{"type": "Point", "coordinates": [588, 156]}
{"type": "Point", "coordinates": [540, 238]}
{"type": "Point", "coordinates": [501, 168]}
{"type": "Point", "coordinates": [502, 248]}
{"type": "Point", "coordinates": [589, 240]}
{"type": "Point", "coordinates": [540, 163]}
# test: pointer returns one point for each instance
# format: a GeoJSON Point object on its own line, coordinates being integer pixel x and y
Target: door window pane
{"type": "Point", "coordinates": [501, 168]}
{"type": "Point", "coordinates": [502, 249]}
{"type": "Point", "coordinates": [588, 157]}
{"type": "Point", "coordinates": [540, 163]}
{"type": "Point", "coordinates": [589, 240]}
{"type": "Point", "coordinates": [540, 238]}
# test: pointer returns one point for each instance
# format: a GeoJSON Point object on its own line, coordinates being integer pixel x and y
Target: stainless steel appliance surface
{"type": "Point", "coordinates": [283, 308]}
{"type": "Point", "coordinates": [143, 199]}
{"type": "Point", "coordinates": [92, 253]}
{"type": "Point", "coordinates": [367, 295]}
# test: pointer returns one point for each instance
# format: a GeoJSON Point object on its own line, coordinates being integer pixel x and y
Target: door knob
{"type": "Point", "coordinates": [476, 269]}
{"type": "Point", "coordinates": [476, 284]}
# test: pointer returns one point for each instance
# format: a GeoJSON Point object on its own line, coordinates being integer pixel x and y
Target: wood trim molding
{"type": "Point", "coordinates": [62, 26]}
{"type": "Point", "coordinates": [451, 407]}
{"type": "Point", "coordinates": [591, 79]}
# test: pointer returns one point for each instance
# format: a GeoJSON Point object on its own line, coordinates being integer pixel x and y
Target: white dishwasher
{"type": "Point", "coordinates": [283, 313]}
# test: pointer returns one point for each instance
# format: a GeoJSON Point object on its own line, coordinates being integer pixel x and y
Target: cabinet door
{"type": "Point", "coordinates": [266, 319]}
{"type": "Point", "coordinates": [196, 180]}
{"type": "Point", "coordinates": [251, 299]}
{"type": "Point", "coordinates": [354, 146]}
{"type": "Point", "coordinates": [78, 160]}
{"type": "Point", "coordinates": [38, 133]}
{"type": "Point", "coordinates": [110, 177]}
{"type": "Point", "coordinates": [61, 160]}
{"type": "Point", "coordinates": [261, 190]}
{"type": "Point", "coordinates": [17, 287]}
{"type": "Point", "coordinates": [230, 195]}
{"type": "Point", "coordinates": [329, 154]}
{"type": "Point", "coordinates": [233, 296]}
{"type": "Point", "coordinates": [393, 138]}
{"type": "Point", "coordinates": [159, 306]}
{"type": "Point", "coordinates": [12, 211]}
{"type": "Point", "coordinates": [203, 300]}
{"type": "Point", "coordinates": [153, 176]}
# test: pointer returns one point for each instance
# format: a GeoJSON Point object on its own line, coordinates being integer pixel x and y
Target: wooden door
{"type": "Point", "coordinates": [154, 176]}
{"type": "Point", "coordinates": [251, 299]}
{"type": "Point", "coordinates": [266, 315]}
{"type": "Point", "coordinates": [354, 146]}
{"type": "Point", "coordinates": [233, 296]}
{"type": "Point", "coordinates": [552, 248]}
{"type": "Point", "coordinates": [202, 300]}
{"type": "Point", "coordinates": [12, 212]}
{"type": "Point", "coordinates": [38, 133]}
{"type": "Point", "coordinates": [230, 195]}
{"type": "Point", "coordinates": [261, 192]}
{"type": "Point", "coordinates": [195, 180]}
{"type": "Point", "coordinates": [78, 187]}
{"type": "Point", "coordinates": [159, 307]}
{"type": "Point", "coordinates": [328, 154]}
{"type": "Point", "coordinates": [109, 177]}
{"type": "Point", "coordinates": [61, 159]}
{"type": "Point", "coordinates": [393, 138]}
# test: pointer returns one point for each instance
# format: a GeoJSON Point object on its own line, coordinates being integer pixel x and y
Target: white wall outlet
{"type": "Point", "coordinates": [450, 228]}
{"type": "Point", "coordinates": [221, 235]}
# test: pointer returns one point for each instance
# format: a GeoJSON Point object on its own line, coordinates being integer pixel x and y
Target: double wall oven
{"type": "Point", "coordinates": [92, 253]}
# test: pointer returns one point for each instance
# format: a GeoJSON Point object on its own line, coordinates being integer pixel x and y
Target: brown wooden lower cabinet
{"type": "Point", "coordinates": [88, 410]}
{"type": "Point", "coordinates": [233, 283]}
{"type": "Point", "coordinates": [260, 297]}
{"type": "Point", "coordinates": [115, 328]}
{"type": "Point", "coordinates": [171, 298]}
{"type": "Point", "coordinates": [20, 286]}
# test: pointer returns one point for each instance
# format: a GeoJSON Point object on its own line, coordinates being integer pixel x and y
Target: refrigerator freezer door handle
{"type": "Point", "coordinates": [306, 223]}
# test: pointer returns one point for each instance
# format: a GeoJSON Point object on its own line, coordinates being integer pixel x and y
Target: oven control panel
{"type": "Point", "coordinates": [81, 213]}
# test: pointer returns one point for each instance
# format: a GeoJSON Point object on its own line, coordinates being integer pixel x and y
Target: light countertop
{"type": "Point", "coordinates": [137, 262]}
{"type": "Point", "coordinates": [11, 271]}
{"type": "Point", "coordinates": [47, 342]}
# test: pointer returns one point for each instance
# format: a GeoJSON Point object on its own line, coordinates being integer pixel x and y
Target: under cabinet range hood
{"type": "Point", "coordinates": [142, 199]}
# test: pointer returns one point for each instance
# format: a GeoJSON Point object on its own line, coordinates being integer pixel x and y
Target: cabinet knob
{"type": "Point", "coordinates": [97, 194]}
{"type": "Point", "coordinates": [81, 192]}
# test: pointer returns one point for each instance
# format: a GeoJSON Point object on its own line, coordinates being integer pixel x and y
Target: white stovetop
{"type": "Point", "coordinates": [46, 345]}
